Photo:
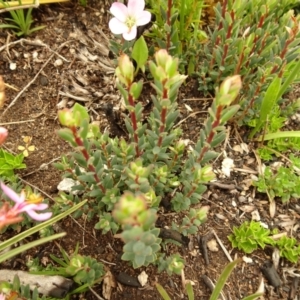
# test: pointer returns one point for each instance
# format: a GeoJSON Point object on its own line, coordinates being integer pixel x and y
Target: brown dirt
{"type": "Point", "coordinates": [73, 32]}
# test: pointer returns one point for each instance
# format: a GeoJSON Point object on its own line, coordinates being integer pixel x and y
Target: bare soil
{"type": "Point", "coordinates": [68, 62]}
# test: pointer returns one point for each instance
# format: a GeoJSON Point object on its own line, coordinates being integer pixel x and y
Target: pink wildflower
{"type": "Point", "coordinates": [25, 206]}
{"type": "Point", "coordinates": [127, 18]}
{"type": "Point", "coordinates": [3, 135]}
{"type": "Point", "coordinates": [7, 217]}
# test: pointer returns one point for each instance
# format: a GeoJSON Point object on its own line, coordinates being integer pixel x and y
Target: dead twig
{"type": "Point", "coordinates": [96, 295]}
{"type": "Point", "coordinates": [222, 246]}
{"type": "Point", "coordinates": [190, 115]}
{"type": "Point", "coordinates": [33, 80]}
{"type": "Point", "coordinates": [34, 43]}
{"type": "Point", "coordinates": [16, 122]}
{"type": "Point", "coordinates": [203, 246]}
{"type": "Point", "coordinates": [224, 186]}
{"type": "Point", "coordinates": [66, 94]}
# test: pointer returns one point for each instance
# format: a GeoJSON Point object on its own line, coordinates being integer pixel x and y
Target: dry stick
{"type": "Point", "coordinates": [245, 171]}
{"type": "Point", "coordinates": [77, 98]}
{"type": "Point", "coordinates": [35, 43]}
{"type": "Point", "coordinates": [190, 115]}
{"type": "Point", "coordinates": [16, 122]}
{"type": "Point", "coordinates": [36, 188]}
{"type": "Point", "coordinates": [42, 167]}
{"type": "Point", "coordinates": [222, 246]}
{"type": "Point", "coordinates": [33, 80]}
{"type": "Point", "coordinates": [11, 87]}
{"type": "Point", "coordinates": [97, 296]}
{"type": "Point", "coordinates": [197, 99]}
{"type": "Point", "coordinates": [224, 186]}
{"type": "Point", "coordinates": [27, 86]}
{"type": "Point", "coordinates": [214, 203]}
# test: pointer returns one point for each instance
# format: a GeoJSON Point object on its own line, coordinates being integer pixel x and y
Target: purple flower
{"type": "Point", "coordinates": [25, 206]}
{"type": "Point", "coordinates": [127, 18]}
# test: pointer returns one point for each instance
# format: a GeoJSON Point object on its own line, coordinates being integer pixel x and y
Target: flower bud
{"type": "Point", "coordinates": [3, 135]}
{"type": "Point", "coordinates": [208, 174]}
{"type": "Point", "coordinates": [162, 57]}
{"type": "Point", "coordinates": [125, 70]}
{"type": "Point", "coordinates": [229, 89]}
{"type": "Point", "coordinates": [128, 208]}
{"type": "Point", "coordinates": [66, 118]}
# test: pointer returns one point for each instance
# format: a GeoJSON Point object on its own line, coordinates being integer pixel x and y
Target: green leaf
{"type": "Point", "coordinates": [289, 80]}
{"type": "Point", "coordinates": [278, 135]}
{"type": "Point", "coordinates": [23, 235]}
{"type": "Point", "coordinates": [162, 292]}
{"type": "Point", "coordinates": [25, 247]}
{"type": "Point", "coordinates": [268, 102]}
{"type": "Point", "coordinates": [80, 113]}
{"type": "Point", "coordinates": [189, 291]}
{"type": "Point", "coordinates": [140, 53]}
{"type": "Point", "coordinates": [222, 279]}
{"type": "Point", "coordinates": [67, 135]}
{"type": "Point", "coordinates": [253, 296]}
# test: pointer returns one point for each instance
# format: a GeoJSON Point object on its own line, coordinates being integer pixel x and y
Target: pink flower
{"type": "Point", "coordinates": [127, 18]}
{"type": "Point", "coordinates": [25, 206]}
{"type": "Point", "coordinates": [8, 217]}
{"type": "Point", "coordinates": [3, 135]}
{"type": "Point", "coordinates": [2, 297]}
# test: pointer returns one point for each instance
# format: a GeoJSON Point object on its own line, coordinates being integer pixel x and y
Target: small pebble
{"type": "Point", "coordinates": [12, 66]}
{"type": "Point", "coordinates": [44, 80]}
{"type": "Point", "coordinates": [58, 62]}
{"type": "Point", "coordinates": [242, 199]}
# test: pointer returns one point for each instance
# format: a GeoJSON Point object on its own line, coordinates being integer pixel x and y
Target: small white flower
{"type": "Point", "coordinates": [127, 18]}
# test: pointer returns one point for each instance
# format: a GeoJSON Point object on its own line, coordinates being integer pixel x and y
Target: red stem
{"type": "Point", "coordinates": [91, 168]}
{"type": "Point", "coordinates": [134, 123]}
{"type": "Point", "coordinates": [162, 126]}
{"type": "Point", "coordinates": [212, 133]}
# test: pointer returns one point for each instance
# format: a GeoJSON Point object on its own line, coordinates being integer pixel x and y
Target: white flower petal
{"type": "Point", "coordinates": [117, 27]}
{"type": "Point", "coordinates": [135, 7]}
{"type": "Point", "coordinates": [143, 18]}
{"type": "Point", "coordinates": [119, 10]}
{"type": "Point", "coordinates": [130, 35]}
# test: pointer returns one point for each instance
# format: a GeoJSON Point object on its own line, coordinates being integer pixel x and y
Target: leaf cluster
{"type": "Point", "coordinates": [185, 30]}
{"type": "Point", "coordinates": [251, 235]}
{"type": "Point", "coordinates": [283, 182]}
{"type": "Point", "coordinates": [125, 179]}
{"type": "Point", "coordinates": [84, 270]}
{"type": "Point", "coordinates": [242, 42]}
{"type": "Point", "coordinates": [141, 247]}
{"type": "Point", "coordinates": [20, 22]}
{"type": "Point", "coordinates": [10, 162]}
